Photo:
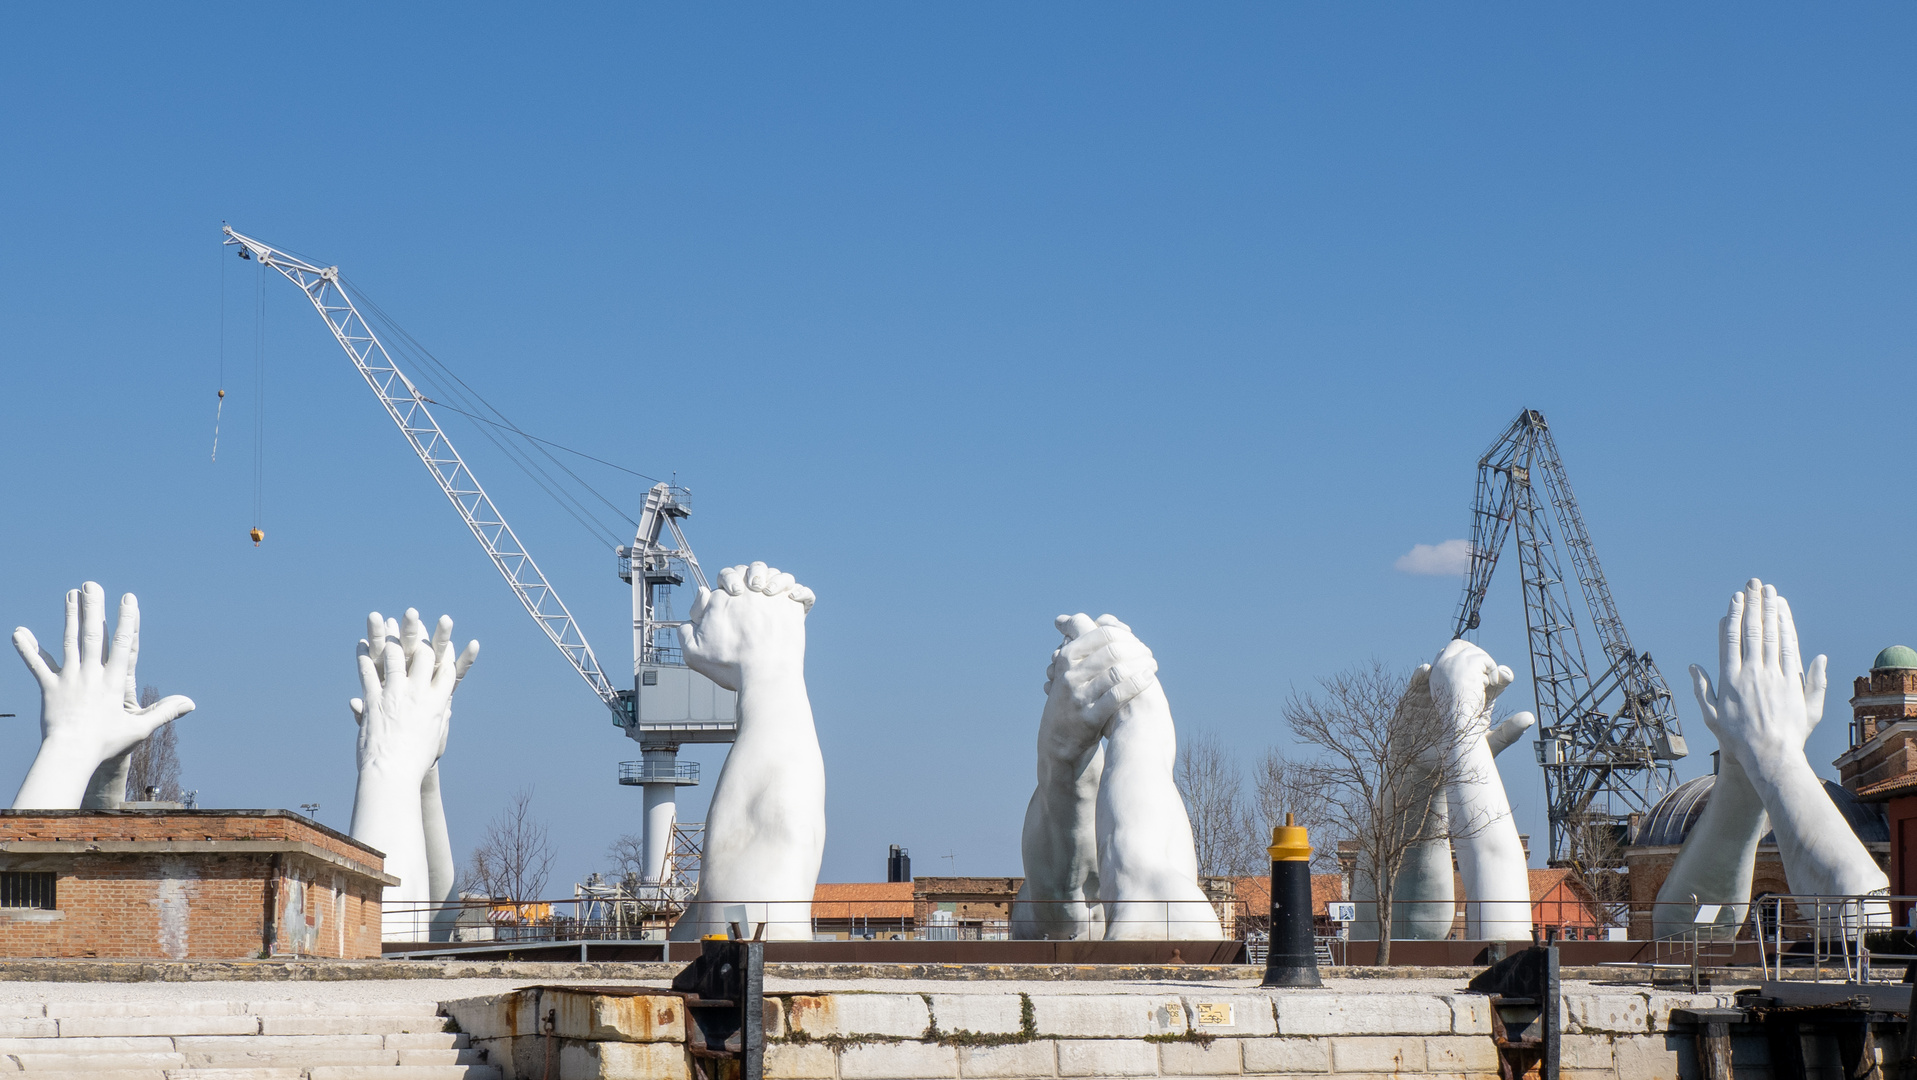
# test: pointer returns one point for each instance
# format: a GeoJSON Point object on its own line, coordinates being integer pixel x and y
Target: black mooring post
{"type": "Point", "coordinates": [1292, 959]}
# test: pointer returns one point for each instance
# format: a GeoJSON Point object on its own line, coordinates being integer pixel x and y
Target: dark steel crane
{"type": "Point", "coordinates": [1606, 739]}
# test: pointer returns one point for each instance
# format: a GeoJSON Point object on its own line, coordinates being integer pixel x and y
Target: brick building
{"type": "Point", "coordinates": [185, 884]}
{"type": "Point", "coordinates": [1880, 765]}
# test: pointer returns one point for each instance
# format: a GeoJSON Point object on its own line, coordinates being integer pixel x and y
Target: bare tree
{"type": "Point", "coordinates": [156, 761]}
{"type": "Point", "coordinates": [1386, 763]}
{"type": "Point", "coordinates": [1282, 786]}
{"type": "Point", "coordinates": [1222, 830]}
{"type": "Point", "coordinates": [515, 856]}
{"type": "Point", "coordinates": [627, 854]}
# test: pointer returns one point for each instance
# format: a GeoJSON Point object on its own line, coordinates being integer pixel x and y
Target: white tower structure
{"type": "Point", "coordinates": [671, 703]}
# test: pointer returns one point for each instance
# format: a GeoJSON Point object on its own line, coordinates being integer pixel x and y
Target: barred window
{"type": "Point", "coordinates": [26, 889]}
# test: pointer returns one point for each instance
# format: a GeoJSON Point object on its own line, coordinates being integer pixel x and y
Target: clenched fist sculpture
{"type": "Point", "coordinates": [89, 716]}
{"type": "Point", "coordinates": [765, 829]}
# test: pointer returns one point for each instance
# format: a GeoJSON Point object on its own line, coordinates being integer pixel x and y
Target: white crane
{"type": "Point", "coordinates": [669, 703]}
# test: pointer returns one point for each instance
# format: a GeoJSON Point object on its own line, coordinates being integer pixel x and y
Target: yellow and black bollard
{"type": "Point", "coordinates": [1292, 959]}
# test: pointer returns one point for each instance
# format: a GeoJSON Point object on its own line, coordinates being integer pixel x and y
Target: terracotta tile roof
{"type": "Point", "coordinates": [1254, 892]}
{"type": "Point", "coordinates": [1888, 789]}
{"type": "Point", "coordinates": [862, 899]}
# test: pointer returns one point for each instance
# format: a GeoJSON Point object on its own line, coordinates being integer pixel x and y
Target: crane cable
{"type": "Point", "coordinates": [448, 385]}
{"type": "Point", "coordinates": [219, 405]}
{"type": "Point", "coordinates": [259, 405]}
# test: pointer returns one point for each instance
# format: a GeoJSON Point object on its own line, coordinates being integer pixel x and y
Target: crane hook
{"type": "Point", "coordinates": [244, 255]}
{"type": "Point", "coordinates": [257, 534]}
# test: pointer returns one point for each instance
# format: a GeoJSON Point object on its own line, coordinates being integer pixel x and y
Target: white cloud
{"type": "Point", "coordinates": [1452, 558]}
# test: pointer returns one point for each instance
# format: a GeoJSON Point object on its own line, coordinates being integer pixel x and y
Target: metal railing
{"type": "Point", "coordinates": [1814, 934]}
{"type": "Point", "coordinates": [640, 772]}
{"type": "Point", "coordinates": [641, 916]}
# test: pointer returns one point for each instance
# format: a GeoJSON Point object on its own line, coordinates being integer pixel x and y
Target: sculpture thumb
{"type": "Point", "coordinates": [28, 647]}
{"type": "Point", "coordinates": [359, 710]}
{"type": "Point", "coordinates": [166, 710]}
{"type": "Point", "coordinates": [1706, 699]}
{"type": "Point", "coordinates": [1816, 681]}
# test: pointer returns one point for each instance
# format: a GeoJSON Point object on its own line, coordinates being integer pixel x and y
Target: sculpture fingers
{"type": "Point", "coordinates": [1753, 635]}
{"type": "Point", "coordinates": [1816, 681]}
{"type": "Point", "coordinates": [164, 711]}
{"type": "Point", "coordinates": [804, 596]}
{"type": "Point", "coordinates": [780, 583]}
{"type": "Point", "coordinates": [376, 635]}
{"type": "Point", "coordinates": [368, 675]}
{"type": "Point", "coordinates": [1706, 698]}
{"type": "Point", "coordinates": [92, 624]}
{"type": "Point", "coordinates": [1112, 620]}
{"type": "Point", "coordinates": [126, 632]}
{"type": "Point", "coordinates": [758, 575]}
{"type": "Point", "coordinates": [1729, 659]}
{"type": "Point", "coordinates": [45, 671]}
{"type": "Point", "coordinates": [412, 631]}
{"type": "Point", "coordinates": [70, 636]}
{"type": "Point", "coordinates": [466, 658]}
{"type": "Point", "coordinates": [442, 670]}
{"type": "Point", "coordinates": [1497, 682]}
{"type": "Point", "coordinates": [1773, 633]}
{"type": "Point", "coordinates": [359, 709]}
{"type": "Point", "coordinates": [732, 580]}
{"type": "Point", "coordinates": [1115, 687]}
{"type": "Point", "coordinates": [1074, 626]}
{"type": "Point", "coordinates": [132, 673]}
{"type": "Point", "coordinates": [1510, 731]}
{"type": "Point", "coordinates": [1787, 648]}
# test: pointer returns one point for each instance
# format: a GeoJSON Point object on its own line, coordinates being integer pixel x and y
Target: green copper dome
{"type": "Point", "coordinates": [1897, 656]}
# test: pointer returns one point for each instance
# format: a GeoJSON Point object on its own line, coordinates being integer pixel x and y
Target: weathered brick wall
{"type": "Point", "coordinates": [177, 896]}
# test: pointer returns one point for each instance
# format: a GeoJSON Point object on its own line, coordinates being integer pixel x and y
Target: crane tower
{"type": "Point", "coordinates": [669, 703]}
{"type": "Point", "coordinates": [1606, 738]}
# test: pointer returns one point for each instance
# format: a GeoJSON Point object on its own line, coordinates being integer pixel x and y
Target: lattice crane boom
{"type": "Point", "coordinates": [1607, 738]}
{"type": "Point", "coordinates": [407, 408]}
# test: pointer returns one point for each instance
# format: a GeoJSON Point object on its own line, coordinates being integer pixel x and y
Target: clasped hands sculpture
{"type": "Point", "coordinates": [1762, 709]}
{"type": "Point", "coordinates": [1107, 845]}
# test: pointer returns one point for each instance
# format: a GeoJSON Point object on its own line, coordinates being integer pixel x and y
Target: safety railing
{"type": "Point", "coordinates": [647, 918]}
{"type": "Point", "coordinates": [640, 772]}
{"type": "Point", "coordinates": [1816, 935]}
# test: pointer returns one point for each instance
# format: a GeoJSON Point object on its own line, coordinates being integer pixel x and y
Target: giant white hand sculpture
{"type": "Point", "coordinates": [1491, 865]}
{"type": "Point", "coordinates": [1147, 865]}
{"type": "Point", "coordinates": [1423, 897]}
{"type": "Point", "coordinates": [86, 718]}
{"type": "Point", "coordinates": [765, 829]}
{"type": "Point", "coordinates": [1059, 897]}
{"type": "Point", "coordinates": [442, 871]}
{"type": "Point", "coordinates": [1762, 709]}
{"type": "Point", "coordinates": [403, 718]}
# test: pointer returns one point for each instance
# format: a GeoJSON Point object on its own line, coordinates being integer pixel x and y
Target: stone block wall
{"type": "Point", "coordinates": [1030, 1034]}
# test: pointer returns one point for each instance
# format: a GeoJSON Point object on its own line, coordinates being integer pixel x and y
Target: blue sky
{"type": "Point", "coordinates": [967, 317]}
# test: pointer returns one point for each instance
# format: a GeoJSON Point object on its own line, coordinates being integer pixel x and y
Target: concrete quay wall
{"type": "Point", "coordinates": [1084, 1030]}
